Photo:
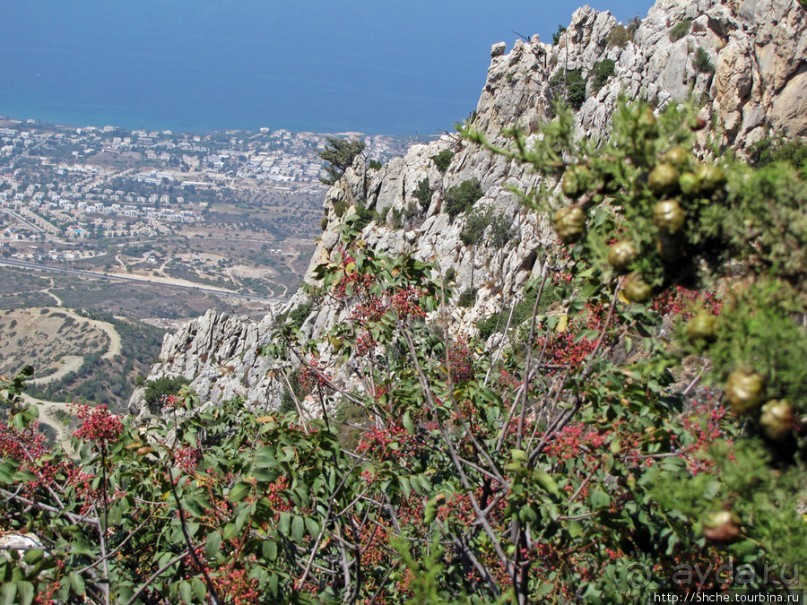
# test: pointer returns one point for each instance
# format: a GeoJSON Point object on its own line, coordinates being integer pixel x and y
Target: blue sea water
{"type": "Point", "coordinates": [315, 65]}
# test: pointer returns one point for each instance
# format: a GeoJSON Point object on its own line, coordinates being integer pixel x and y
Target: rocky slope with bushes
{"type": "Point", "coordinates": [450, 201]}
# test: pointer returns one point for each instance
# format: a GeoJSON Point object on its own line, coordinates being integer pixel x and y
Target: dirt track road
{"type": "Point", "coordinates": [48, 417]}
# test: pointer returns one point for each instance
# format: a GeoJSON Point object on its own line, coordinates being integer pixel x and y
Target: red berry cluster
{"type": "Point", "coordinates": [393, 443]}
{"type": "Point", "coordinates": [704, 426]}
{"type": "Point", "coordinates": [372, 310]}
{"type": "Point", "coordinates": [565, 349]}
{"type": "Point", "coordinates": [28, 447]}
{"type": "Point", "coordinates": [365, 343]}
{"type": "Point", "coordinates": [312, 375]}
{"type": "Point", "coordinates": [21, 445]}
{"type": "Point", "coordinates": [575, 440]}
{"type": "Point", "coordinates": [352, 282]}
{"type": "Point", "coordinates": [380, 391]}
{"type": "Point", "coordinates": [237, 587]}
{"type": "Point", "coordinates": [45, 595]}
{"type": "Point", "coordinates": [460, 361]}
{"type": "Point", "coordinates": [82, 482]}
{"type": "Point", "coordinates": [99, 425]}
{"type": "Point", "coordinates": [276, 495]}
{"type": "Point", "coordinates": [405, 302]}
{"type": "Point", "coordinates": [683, 302]}
{"type": "Point", "coordinates": [568, 348]}
{"type": "Point", "coordinates": [187, 459]}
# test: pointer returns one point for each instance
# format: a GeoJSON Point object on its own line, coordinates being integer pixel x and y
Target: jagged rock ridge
{"type": "Point", "coordinates": [743, 59]}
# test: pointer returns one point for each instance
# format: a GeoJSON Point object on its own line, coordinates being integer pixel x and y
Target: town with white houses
{"type": "Point", "coordinates": [68, 185]}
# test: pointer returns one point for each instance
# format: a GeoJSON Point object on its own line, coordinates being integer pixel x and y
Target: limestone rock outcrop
{"type": "Point", "coordinates": [745, 61]}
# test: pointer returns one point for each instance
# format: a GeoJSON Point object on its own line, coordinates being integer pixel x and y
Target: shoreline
{"type": "Point", "coordinates": [7, 119]}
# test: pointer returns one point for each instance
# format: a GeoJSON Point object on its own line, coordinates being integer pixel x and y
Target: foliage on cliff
{"type": "Point", "coordinates": [638, 435]}
{"type": "Point", "coordinates": [339, 155]}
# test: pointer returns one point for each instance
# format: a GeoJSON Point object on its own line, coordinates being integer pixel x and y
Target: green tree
{"type": "Point", "coordinates": [339, 155]}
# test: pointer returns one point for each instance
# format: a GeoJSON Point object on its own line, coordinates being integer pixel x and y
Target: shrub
{"type": "Point", "coordinates": [767, 151]}
{"type": "Point", "coordinates": [702, 62]}
{"type": "Point", "coordinates": [633, 26]}
{"type": "Point", "coordinates": [501, 231]}
{"type": "Point", "coordinates": [599, 75]}
{"type": "Point", "coordinates": [487, 326]}
{"type": "Point", "coordinates": [680, 30]}
{"type": "Point", "coordinates": [339, 207]}
{"type": "Point", "coordinates": [475, 225]}
{"type": "Point", "coordinates": [423, 193]}
{"type": "Point", "coordinates": [411, 211]}
{"type": "Point", "coordinates": [442, 160]}
{"type": "Point", "coordinates": [394, 218]}
{"type": "Point", "coordinates": [158, 391]}
{"type": "Point", "coordinates": [462, 197]}
{"type": "Point", "coordinates": [300, 313]}
{"type": "Point", "coordinates": [366, 216]}
{"type": "Point", "coordinates": [375, 165]}
{"type": "Point", "coordinates": [619, 36]}
{"type": "Point", "coordinates": [573, 86]}
{"type": "Point", "coordinates": [468, 298]}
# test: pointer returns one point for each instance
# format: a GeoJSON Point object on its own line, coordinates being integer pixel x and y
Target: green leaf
{"type": "Point", "coordinates": [599, 499]}
{"type": "Point", "coordinates": [265, 458]}
{"type": "Point", "coordinates": [406, 488]}
{"type": "Point", "coordinates": [245, 512]}
{"type": "Point", "coordinates": [7, 470]}
{"type": "Point", "coordinates": [185, 592]}
{"type": "Point", "coordinates": [284, 523]}
{"type": "Point", "coordinates": [199, 589]}
{"type": "Point", "coordinates": [408, 424]}
{"type": "Point", "coordinates": [77, 583]}
{"type": "Point", "coordinates": [547, 482]}
{"type": "Point", "coordinates": [195, 505]}
{"type": "Point", "coordinates": [33, 556]}
{"type": "Point", "coordinates": [25, 592]}
{"type": "Point", "coordinates": [229, 531]}
{"type": "Point", "coordinates": [8, 593]}
{"type": "Point", "coordinates": [239, 492]}
{"type": "Point", "coordinates": [297, 529]}
{"type": "Point", "coordinates": [430, 511]}
{"type": "Point", "coordinates": [312, 526]}
{"type": "Point", "coordinates": [213, 544]}
{"type": "Point", "coordinates": [269, 550]}
{"type": "Point", "coordinates": [527, 514]}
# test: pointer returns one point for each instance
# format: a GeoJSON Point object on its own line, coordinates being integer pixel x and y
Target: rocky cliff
{"type": "Point", "coordinates": [742, 60]}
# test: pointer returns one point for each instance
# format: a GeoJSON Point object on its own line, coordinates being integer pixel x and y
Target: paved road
{"type": "Point", "coordinates": [136, 278]}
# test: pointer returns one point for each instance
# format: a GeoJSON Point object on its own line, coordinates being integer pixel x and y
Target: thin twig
{"type": "Point", "coordinates": [51, 509]}
{"type": "Point", "coordinates": [183, 526]}
{"type": "Point", "coordinates": [158, 573]}
{"type": "Point", "coordinates": [452, 453]}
